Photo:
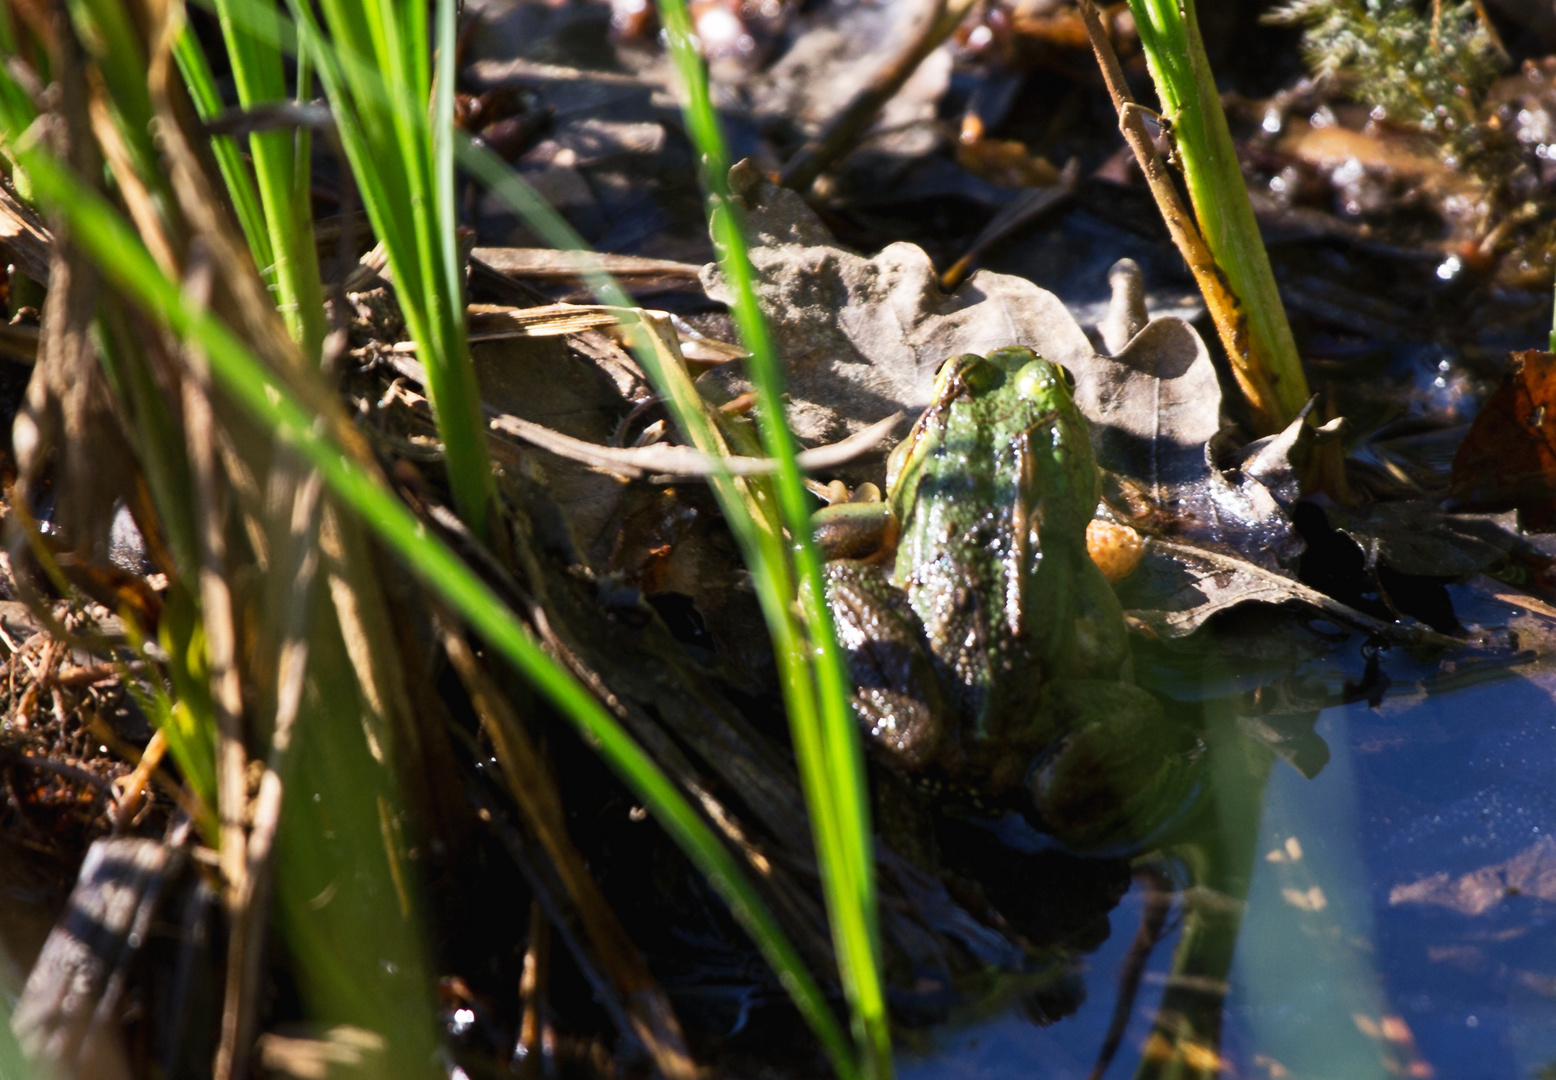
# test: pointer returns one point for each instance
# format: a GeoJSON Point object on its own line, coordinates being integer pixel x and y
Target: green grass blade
{"type": "Point", "coordinates": [826, 736]}
{"type": "Point", "coordinates": [235, 171]}
{"type": "Point", "coordinates": [252, 31]}
{"type": "Point", "coordinates": [127, 264]}
{"type": "Point", "coordinates": [446, 229]}
{"type": "Point", "coordinates": [376, 72]}
{"type": "Point", "coordinates": [766, 553]}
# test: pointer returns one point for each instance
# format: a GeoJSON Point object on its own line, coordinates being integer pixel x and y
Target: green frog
{"type": "Point", "coordinates": [992, 663]}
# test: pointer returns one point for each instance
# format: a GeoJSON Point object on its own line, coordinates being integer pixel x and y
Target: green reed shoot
{"type": "Point", "coordinates": [282, 166]}
{"type": "Point", "coordinates": [376, 68]}
{"type": "Point", "coordinates": [1169, 35]}
{"type": "Point", "coordinates": [817, 687]}
{"type": "Point", "coordinates": [229, 156]}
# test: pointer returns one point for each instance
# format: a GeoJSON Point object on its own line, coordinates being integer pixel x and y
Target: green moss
{"type": "Point", "coordinates": [1388, 54]}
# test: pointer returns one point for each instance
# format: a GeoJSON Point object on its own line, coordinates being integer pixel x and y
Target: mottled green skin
{"type": "Point", "coordinates": [977, 656]}
{"type": "Point", "coordinates": [993, 489]}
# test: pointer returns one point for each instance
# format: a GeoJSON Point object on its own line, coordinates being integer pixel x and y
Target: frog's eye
{"type": "Point", "coordinates": [982, 377]}
{"type": "Point", "coordinates": [968, 373]}
{"type": "Point", "coordinates": [1064, 373]}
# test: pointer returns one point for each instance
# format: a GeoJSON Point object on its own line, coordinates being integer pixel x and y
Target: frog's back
{"type": "Point", "coordinates": [965, 557]}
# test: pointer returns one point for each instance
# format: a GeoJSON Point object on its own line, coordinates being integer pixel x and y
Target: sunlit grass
{"type": "Point", "coordinates": [1191, 103]}
{"type": "Point", "coordinates": [129, 264]}
{"type": "Point", "coordinates": [816, 682]}
{"type": "Point", "coordinates": [374, 58]}
{"type": "Point", "coordinates": [374, 61]}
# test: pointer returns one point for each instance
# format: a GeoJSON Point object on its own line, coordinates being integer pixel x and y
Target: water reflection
{"type": "Point", "coordinates": [1396, 910]}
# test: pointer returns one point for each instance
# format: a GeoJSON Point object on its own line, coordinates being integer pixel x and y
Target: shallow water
{"type": "Point", "coordinates": [1396, 915]}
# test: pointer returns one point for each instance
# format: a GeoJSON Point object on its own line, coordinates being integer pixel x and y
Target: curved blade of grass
{"type": "Point", "coordinates": [125, 261]}
{"type": "Point", "coordinates": [375, 71]}
{"type": "Point", "coordinates": [753, 518]}
{"type": "Point", "coordinates": [826, 735]}
{"type": "Point", "coordinates": [235, 171]}
{"type": "Point", "coordinates": [1169, 35]}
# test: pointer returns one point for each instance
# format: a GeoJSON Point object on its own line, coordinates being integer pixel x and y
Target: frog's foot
{"type": "Point", "coordinates": [1121, 773]}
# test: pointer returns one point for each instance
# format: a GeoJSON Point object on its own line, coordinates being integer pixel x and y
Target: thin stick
{"type": "Point", "coordinates": [1153, 920]}
{"type": "Point", "coordinates": [131, 793]}
{"type": "Point", "coordinates": [534, 789]}
{"type": "Point", "coordinates": [226, 680]}
{"type": "Point", "coordinates": [812, 159]}
{"type": "Point", "coordinates": [99, 784]}
{"type": "Point", "coordinates": [529, 1053]}
{"type": "Point", "coordinates": [1231, 323]}
{"type": "Point", "coordinates": [245, 948]}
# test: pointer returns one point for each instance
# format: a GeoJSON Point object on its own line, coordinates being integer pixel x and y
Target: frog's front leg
{"type": "Point", "coordinates": [897, 694]}
{"type": "Point", "coordinates": [854, 526]}
{"type": "Point", "coordinates": [1118, 769]}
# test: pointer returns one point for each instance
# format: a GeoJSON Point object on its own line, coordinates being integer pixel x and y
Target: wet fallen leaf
{"type": "Point", "coordinates": [1508, 459]}
{"type": "Point", "coordinates": [1179, 586]}
{"type": "Point", "coordinates": [1421, 538]}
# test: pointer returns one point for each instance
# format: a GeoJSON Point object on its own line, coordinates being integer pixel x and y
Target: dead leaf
{"type": "Point", "coordinates": [861, 337]}
{"type": "Point", "coordinates": [1508, 459]}
{"type": "Point", "coordinates": [1179, 586]}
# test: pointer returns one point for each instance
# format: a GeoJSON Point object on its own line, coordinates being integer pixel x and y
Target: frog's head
{"type": "Point", "coordinates": [1026, 401]}
{"type": "Point", "coordinates": [1048, 426]}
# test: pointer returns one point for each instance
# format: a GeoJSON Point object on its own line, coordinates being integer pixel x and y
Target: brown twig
{"type": "Point", "coordinates": [529, 1051]}
{"type": "Point", "coordinates": [92, 673]}
{"type": "Point", "coordinates": [1231, 324]}
{"type": "Point", "coordinates": [101, 785]}
{"type": "Point", "coordinates": [226, 680]}
{"type": "Point", "coordinates": [131, 790]}
{"type": "Point", "coordinates": [812, 159]}
{"type": "Point", "coordinates": [245, 947]}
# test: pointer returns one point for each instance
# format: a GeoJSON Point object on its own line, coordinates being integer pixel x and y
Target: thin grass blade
{"type": "Point", "coordinates": [375, 70]}
{"type": "Point", "coordinates": [235, 171]}
{"type": "Point", "coordinates": [253, 32]}
{"type": "Point", "coordinates": [825, 733]}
